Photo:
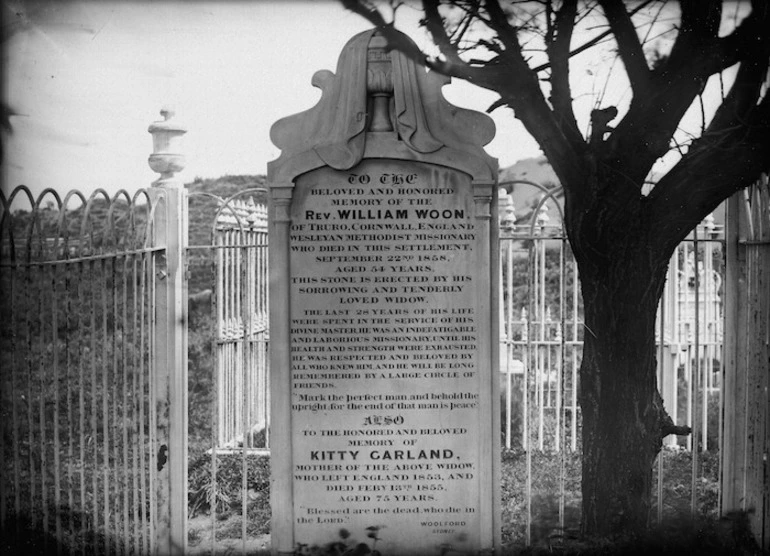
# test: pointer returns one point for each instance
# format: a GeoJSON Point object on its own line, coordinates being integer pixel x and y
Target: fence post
{"type": "Point", "coordinates": [170, 336]}
{"type": "Point", "coordinates": [733, 390]}
{"type": "Point", "coordinates": [746, 430]}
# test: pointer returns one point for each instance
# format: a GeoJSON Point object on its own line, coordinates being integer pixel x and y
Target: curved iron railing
{"type": "Point", "coordinates": [78, 274]}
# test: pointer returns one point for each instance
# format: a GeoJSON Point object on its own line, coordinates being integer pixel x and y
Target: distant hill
{"type": "Point", "coordinates": [537, 170]}
{"type": "Point", "coordinates": [226, 186]}
{"type": "Point", "coordinates": [203, 208]}
{"type": "Point", "coordinates": [202, 213]}
{"type": "Point", "coordinates": [525, 197]}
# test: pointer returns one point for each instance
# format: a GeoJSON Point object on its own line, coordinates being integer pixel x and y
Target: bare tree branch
{"type": "Point", "coordinates": [367, 11]}
{"type": "Point", "coordinates": [698, 30]}
{"type": "Point", "coordinates": [594, 41]}
{"type": "Point", "coordinates": [558, 43]}
{"type": "Point", "coordinates": [470, 15]}
{"type": "Point", "coordinates": [645, 132]}
{"type": "Point", "coordinates": [629, 46]}
{"type": "Point", "coordinates": [717, 54]}
{"type": "Point", "coordinates": [498, 22]}
{"type": "Point", "coordinates": [435, 25]}
{"type": "Point", "coordinates": [745, 92]}
{"type": "Point", "coordinates": [731, 153]}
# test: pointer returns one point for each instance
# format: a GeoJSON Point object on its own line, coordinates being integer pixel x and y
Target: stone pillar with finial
{"type": "Point", "coordinates": [169, 201]}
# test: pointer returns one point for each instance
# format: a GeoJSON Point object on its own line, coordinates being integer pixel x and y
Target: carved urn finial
{"type": "Point", "coordinates": [542, 218]}
{"type": "Point", "coordinates": [379, 83]}
{"type": "Point", "coordinates": [166, 158]}
{"type": "Point", "coordinates": [507, 211]}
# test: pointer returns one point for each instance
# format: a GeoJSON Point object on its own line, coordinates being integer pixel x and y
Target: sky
{"type": "Point", "coordinates": [86, 79]}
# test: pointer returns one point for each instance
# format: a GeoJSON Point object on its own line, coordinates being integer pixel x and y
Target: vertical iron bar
{"type": "Point", "coordinates": [56, 440]}
{"type": "Point", "coordinates": [265, 345]}
{"type": "Point", "coordinates": [152, 444]}
{"type": "Point", "coordinates": [246, 330]}
{"type": "Point", "coordinates": [723, 361]}
{"type": "Point", "coordinates": [543, 348]}
{"type": "Point", "coordinates": [225, 346]}
{"type": "Point", "coordinates": [237, 316]}
{"type": "Point", "coordinates": [41, 283]}
{"type": "Point", "coordinates": [561, 412]}
{"type": "Point", "coordinates": [15, 368]}
{"type": "Point", "coordinates": [509, 346]}
{"type": "Point", "coordinates": [216, 310]}
{"type": "Point", "coordinates": [125, 419]}
{"type": "Point", "coordinates": [218, 333]}
{"type": "Point", "coordinates": [115, 479]}
{"type": "Point", "coordinates": [81, 394]}
{"type": "Point", "coordinates": [531, 280]}
{"type": "Point", "coordinates": [686, 340]}
{"type": "Point", "coordinates": [695, 383]}
{"type": "Point", "coordinates": [661, 378]}
{"type": "Point", "coordinates": [3, 396]}
{"type": "Point", "coordinates": [93, 407]}
{"type": "Point", "coordinates": [70, 329]}
{"type": "Point", "coordinates": [575, 305]}
{"type": "Point", "coordinates": [114, 490]}
{"type": "Point", "coordinates": [222, 335]}
{"type": "Point", "coordinates": [258, 402]}
{"type": "Point", "coordinates": [254, 400]}
{"type": "Point", "coordinates": [135, 397]}
{"type": "Point", "coordinates": [232, 347]}
{"type": "Point", "coordinates": [105, 411]}
{"type": "Point", "coordinates": [145, 477]}
{"type": "Point", "coordinates": [29, 432]}
{"type": "Point", "coordinates": [706, 367]}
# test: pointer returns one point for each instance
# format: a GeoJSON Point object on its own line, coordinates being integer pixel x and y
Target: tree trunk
{"type": "Point", "coordinates": [622, 410]}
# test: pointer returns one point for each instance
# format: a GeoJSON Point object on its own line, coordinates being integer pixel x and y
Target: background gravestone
{"type": "Point", "coordinates": [385, 424]}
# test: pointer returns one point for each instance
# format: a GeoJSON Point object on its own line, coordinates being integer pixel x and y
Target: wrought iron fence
{"type": "Point", "coordinates": [236, 250]}
{"type": "Point", "coordinates": [542, 328]}
{"type": "Point", "coordinates": [242, 313]}
{"type": "Point", "coordinates": [87, 400]}
{"type": "Point", "coordinates": [541, 324]}
{"type": "Point", "coordinates": [226, 465]}
{"type": "Point", "coordinates": [81, 409]}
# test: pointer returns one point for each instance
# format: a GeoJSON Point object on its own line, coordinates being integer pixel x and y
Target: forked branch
{"type": "Point", "coordinates": [629, 46]}
{"type": "Point", "coordinates": [707, 173]}
{"type": "Point", "coordinates": [435, 25]}
{"type": "Point", "coordinates": [558, 41]}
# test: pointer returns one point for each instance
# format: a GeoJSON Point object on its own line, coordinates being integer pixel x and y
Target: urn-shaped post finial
{"type": "Point", "coordinates": [507, 211]}
{"type": "Point", "coordinates": [167, 156]}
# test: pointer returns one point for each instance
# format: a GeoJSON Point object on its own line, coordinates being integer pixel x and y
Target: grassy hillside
{"type": "Point", "coordinates": [202, 216]}
{"type": "Point", "coordinates": [203, 208]}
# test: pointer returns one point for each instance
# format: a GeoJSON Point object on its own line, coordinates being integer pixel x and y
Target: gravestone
{"type": "Point", "coordinates": [383, 291]}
